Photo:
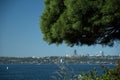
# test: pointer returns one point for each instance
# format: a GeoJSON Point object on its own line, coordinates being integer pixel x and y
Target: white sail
{"type": "Point", "coordinates": [7, 67]}
{"type": "Point", "coordinates": [61, 61]}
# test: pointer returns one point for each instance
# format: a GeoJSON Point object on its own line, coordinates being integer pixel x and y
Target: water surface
{"type": "Point", "coordinates": [42, 71]}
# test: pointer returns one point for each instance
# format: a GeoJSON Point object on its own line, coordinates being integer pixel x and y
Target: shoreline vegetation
{"type": "Point", "coordinates": [109, 74]}
{"type": "Point", "coordinates": [61, 59]}
{"type": "Point", "coordinates": [66, 73]}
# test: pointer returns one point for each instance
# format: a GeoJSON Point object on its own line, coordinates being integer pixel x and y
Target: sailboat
{"type": "Point", "coordinates": [61, 61]}
{"type": "Point", "coordinates": [7, 67]}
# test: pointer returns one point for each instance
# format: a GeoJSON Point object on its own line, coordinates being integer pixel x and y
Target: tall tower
{"type": "Point", "coordinates": [75, 53]}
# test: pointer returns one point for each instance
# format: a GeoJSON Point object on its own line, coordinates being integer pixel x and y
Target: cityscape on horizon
{"type": "Point", "coordinates": [74, 53]}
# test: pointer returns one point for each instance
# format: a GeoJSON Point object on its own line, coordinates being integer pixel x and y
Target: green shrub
{"type": "Point", "coordinates": [110, 74]}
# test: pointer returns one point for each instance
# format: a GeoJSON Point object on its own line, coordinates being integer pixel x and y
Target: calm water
{"type": "Point", "coordinates": [41, 72]}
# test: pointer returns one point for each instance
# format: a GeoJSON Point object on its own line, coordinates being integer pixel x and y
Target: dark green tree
{"type": "Point", "coordinates": [79, 22]}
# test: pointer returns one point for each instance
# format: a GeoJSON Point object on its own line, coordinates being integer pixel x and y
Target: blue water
{"type": "Point", "coordinates": [42, 71]}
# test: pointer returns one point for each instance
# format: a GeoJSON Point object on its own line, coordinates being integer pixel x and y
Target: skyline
{"type": "Point", "coordinates": [20, 34]}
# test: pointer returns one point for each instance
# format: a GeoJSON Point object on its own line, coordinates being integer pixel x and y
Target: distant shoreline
{"type": "Point", "coordinates": [59, 59]}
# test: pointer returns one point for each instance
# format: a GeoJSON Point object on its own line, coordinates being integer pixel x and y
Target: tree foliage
{"type": "Point", "coordinates": [110, 74]}
{"type": "Point", "coordinates": [79, 22]}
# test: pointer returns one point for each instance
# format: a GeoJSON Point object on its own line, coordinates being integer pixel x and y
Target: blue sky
{"type": "Point", "coordinates": [20, 34]}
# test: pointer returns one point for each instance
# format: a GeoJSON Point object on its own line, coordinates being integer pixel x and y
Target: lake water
{"type": "Point", "coordinates": [42, 71]}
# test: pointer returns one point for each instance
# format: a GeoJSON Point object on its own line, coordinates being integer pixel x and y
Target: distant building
{"type": "Point", "coordinates": [100, 53]}
{"type": "Point", "coordinates": [33, 56]}
{"type": "Point", "coordinates": [67, 55]}
{"type": "Point", "coordinates": [75, 53]}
